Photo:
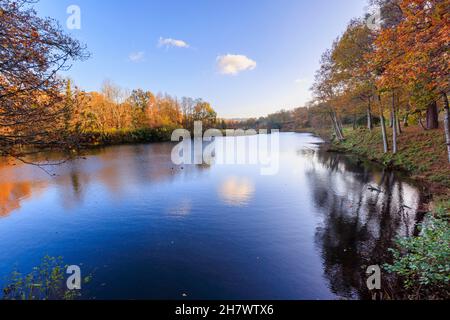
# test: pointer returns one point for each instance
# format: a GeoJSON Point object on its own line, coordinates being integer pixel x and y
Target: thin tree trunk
{"type": "Point", "coordinates": [406, 117]}
{"type": "Point", "coordinates": [432, 116]}
{"type": "Point", "coordinates": [335, 126]}
{"type": "Point", "coordinates": [394, 126]}
{"type": "Point", "coordinates": [369, 116]}
{"type": "Point", "coordinates": [338, 126]}
{"type": "Point", "coordinates": [397, 121]}
{"type": "Point", "coordinates": [383, 126]}
{"type": "Point", "coordinates": [446, 123]}
{"type": "Point", "coordinates": [354, 122]}
{"type": "Point", "coordinates": [341, 127]}
{"type": "Point", "coordinates": [421, 122]}
{"type": "Point", "coordinates": [406, 120]}
{"type": "Point", "coordinates": [339, 122]}
{"type": "Point", "coordinates": [391, 119]}
{"type": "Point", "coordinates": [397, 116]}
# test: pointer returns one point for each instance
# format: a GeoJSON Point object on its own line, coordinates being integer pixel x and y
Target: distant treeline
{"type": "Point", "coordinates": [115, 115]}
{"type": "Point", "coordinates": [41, 110]}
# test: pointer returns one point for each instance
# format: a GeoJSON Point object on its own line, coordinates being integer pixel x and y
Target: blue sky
{"type": "Point", "coordinates": [269, 49]}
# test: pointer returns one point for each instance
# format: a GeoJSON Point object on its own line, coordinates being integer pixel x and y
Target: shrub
{"type": "Point", "coordinates": [423, 262]}
{"type": "Point", "coordinates": [45, 282]}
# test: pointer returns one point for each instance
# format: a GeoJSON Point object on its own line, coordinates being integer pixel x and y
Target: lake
{"type": "Point", "coordinates": [147, 229]}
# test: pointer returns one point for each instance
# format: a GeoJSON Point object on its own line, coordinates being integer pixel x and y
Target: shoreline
{"type": "Point", "coordinates": [437, 192]}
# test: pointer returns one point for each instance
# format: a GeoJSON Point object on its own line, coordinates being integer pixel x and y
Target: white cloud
{"type": "Point", "coordinates": [136, 56]}
{"type": "Point", "coordinates": [167, 42]}
{"type": "Point", "coordinates": [233, 64]}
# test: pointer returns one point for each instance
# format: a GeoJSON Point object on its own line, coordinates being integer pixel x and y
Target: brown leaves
{"type": "Point", "coordinates": [33, 51]}
{"type": "Point", "coordinates": [417, 48]}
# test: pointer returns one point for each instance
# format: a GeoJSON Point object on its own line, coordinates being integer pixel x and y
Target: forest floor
{"type": "Point", "coordinates": [422, 155]}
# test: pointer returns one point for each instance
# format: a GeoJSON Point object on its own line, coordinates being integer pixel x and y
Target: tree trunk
{"type": "Point", "coordinates": [421, 122]}
{"type": "Point", "coordinates": [397, 115]}
{"type": "Point", "coordinates": [341, 127]}
{"type": "Point", "coordinates": [407, 114]}
{"type": "Point", "coordinates": [406, 120]}
{"type": "Point", "coordinates": [354, 122]}
{"type": "Point", "coordinates": [338, 128]}
{"type": "Point", "coordinates": [335, 126]}
{"type": "Point", "coordinates": [339, 122]}
{"type": "Point", "coordinates": [394, 125]}
{"type": "Point", "coordinates": [383, 126]}
{"type": "Point", "coordinates": [397, 121]}
{"type": "Point", "coordinates": [432, 116]}
{"type": "Point", "coordinates": [446, 123]}
{"type": "Point", "coordinates": [369, 116]}
{"type": "Point", "coordinates": [391, 119]}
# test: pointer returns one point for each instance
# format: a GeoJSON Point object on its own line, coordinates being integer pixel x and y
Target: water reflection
{"type": "Point", "coordinates": [15, 188]}
{"type": "Point", "coordinates": [181, 208]}
{"type": "Point", "coordinates": [216, 231]}
{"type": "Point", "coordinates": [236, 191]}
{"type": "Point", "coordinates": [11, 195]}
{"type": "Point", "coordinates": [115, 169]}
{"type": "Point", "coordinates": [362, 212]}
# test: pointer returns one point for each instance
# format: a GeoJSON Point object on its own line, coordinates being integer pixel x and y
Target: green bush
{"type": "Point", "coordinates": [423, 262]}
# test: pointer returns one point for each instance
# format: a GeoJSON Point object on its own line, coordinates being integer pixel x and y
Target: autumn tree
{"type": "Point", "coordinates": [205, 113]}
{"type": "Point", "coordinates": [142, 102]}
{"type": "Point", "coordinates": [350, 58]}
{"type": "Point", "coordinates": [32, 52]}
{"type": "Point", "coordinates": [326, 91]}
{"type": "Point", "coordinates": [415, 52]}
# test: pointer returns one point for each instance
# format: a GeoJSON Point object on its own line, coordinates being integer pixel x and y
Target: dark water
{"type": "Point", "coordinates": [150, 230]}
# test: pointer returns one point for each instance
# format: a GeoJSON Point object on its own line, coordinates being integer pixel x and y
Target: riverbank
{"type": "Point", "coordinates": [135, 136]}
{"type": "Point", "coordinates": [421, 261]}
{"type": "Point", "coordinates": [422, 155]}
{"type": "Point", "coordinates": [118, 137]}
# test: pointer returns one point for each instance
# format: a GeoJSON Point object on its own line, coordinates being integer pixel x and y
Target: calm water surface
{"type": "Point", "coordinates": [150, 230]}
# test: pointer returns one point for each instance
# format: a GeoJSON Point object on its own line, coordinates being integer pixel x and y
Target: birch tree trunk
{"type": "Point", "coordinates": [398, 123]}
{"type": "Point", "coordinates": [369, 116]}
{"type": "Point", "coordinates": [383, 126]}
{"type": "Point", "coordinates": [336, 126]}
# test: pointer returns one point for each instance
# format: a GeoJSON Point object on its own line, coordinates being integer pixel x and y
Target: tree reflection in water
{"type": "Point", "coordinates": [113, 168]}
{"type": "Point", "coordinates": [363, 209]}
